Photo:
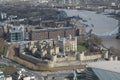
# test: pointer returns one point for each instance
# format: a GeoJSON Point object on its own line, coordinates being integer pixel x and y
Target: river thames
{"type": "Point", "coordinates": [102, 25]}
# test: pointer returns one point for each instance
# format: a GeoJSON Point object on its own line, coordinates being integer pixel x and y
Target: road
{"type": "Point", "coordinates": [65, 74]}
{"type": "Point", "coordinates": [9, 62]}
{"type": "Point", "coordinates": [37, 74]}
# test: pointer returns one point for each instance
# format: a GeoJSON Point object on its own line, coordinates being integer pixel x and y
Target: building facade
{"type": "Point", "coordinates": [22, 74]}
{"type": "Point", "coordinates": [2, 76]}
{"type": "Point", "coordinates": [68, 44]}
{"type": "Point", "coordinates": [89, 56]}
{"type": "Point", "coordinates": [16, 33]}
{"type": "Point", "coordinates": [52, 33]}
{"type": "Point", "coordinates": [104, 70]}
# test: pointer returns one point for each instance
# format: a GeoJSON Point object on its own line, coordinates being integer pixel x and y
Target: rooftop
{"type": "Point", "coordinates": [52, 29]}
{"type": "Point", "coordinates": [113, 66]}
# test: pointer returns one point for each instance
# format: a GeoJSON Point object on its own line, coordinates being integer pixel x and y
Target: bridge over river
{"type": "Point", "coordinates": [103, 25]}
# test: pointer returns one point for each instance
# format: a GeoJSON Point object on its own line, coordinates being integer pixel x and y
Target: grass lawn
{"type": "Point", "coordinates": [81, 48]}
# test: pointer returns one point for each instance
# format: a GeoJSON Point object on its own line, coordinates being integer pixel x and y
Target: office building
{"type": "Point", "coordinates": [104, 70]}
{"type": "Point", "coordinates": [52, 33]}
{"type": "Point", "coordinates": [16, 33]}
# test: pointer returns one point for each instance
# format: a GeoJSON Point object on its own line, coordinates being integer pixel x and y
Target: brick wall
{"type": "Point", "coordinates": [52, 33]}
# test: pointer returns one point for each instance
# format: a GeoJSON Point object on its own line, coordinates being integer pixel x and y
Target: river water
{"type": "Point", "coordinates": [112, 43]}
{"type": "Point", "coordinates": [102, 25]}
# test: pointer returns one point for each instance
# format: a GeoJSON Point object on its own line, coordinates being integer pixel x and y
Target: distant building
{"type": "Point", "coordinates": [68, 44]}
{"type": "Point", "coordinates": [8, 78]}
{"type": "Point", "coordinates": [46, 51]}
{"type": "Point", "coordinates": [66, 1]}
{"type": "Point", "coordinates": [44, 48]}
{"type": "Point", "coordinates": [23, 75]}
{"type": "Point", "coordinates": [52, 33]}
{"type": "Point", "coordinates": [16, 33]}
{"type": "Point", "coordinates": [43, 1]}
{"type": "Point", "coordinates": [104, 70]}
{"type": "Point", "coordinates": [2, 76]}
{"type": "Point", "coordinates": [80, 27]}
{"type": "Point", "coordinates": [38, 34]}
{"type": "Point", "coordinates": [84, 56]}
{"type": "Point", "coordinates": [3, 16]}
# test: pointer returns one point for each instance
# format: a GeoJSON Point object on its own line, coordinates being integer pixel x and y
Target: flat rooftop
{"type": "Point", "coordinates": [52, 29]}
{"type": "Point", "coordinates": [113, 66]}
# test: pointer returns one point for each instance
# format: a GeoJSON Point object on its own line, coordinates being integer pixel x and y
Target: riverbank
{"type": "Point", "coordinates": [100, 24]}
{"type": "Point", "coordinates": [105, 26]}
{"type": "Point", "coordinates": [111, 42]}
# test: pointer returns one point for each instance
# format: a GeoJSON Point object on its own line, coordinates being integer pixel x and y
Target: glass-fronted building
{"type": "Point", "coordinates": [16, 33]}
{"type": "Point", "coordinates": [105, 70]}
{"type": "Point", "coordinates": [16, 36]}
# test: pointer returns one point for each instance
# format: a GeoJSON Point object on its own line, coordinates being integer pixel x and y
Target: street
{"type": "Point", "coordinates": [9, 62]}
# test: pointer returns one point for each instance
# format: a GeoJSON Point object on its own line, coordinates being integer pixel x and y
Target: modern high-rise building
{"type": "Point", "coordinates": [16, 33]}
{"type": "Point", "coordinates": [104, 70]}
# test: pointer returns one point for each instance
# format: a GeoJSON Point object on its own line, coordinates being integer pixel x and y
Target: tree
{"type": "Point", "coordinates": [3, 47]}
